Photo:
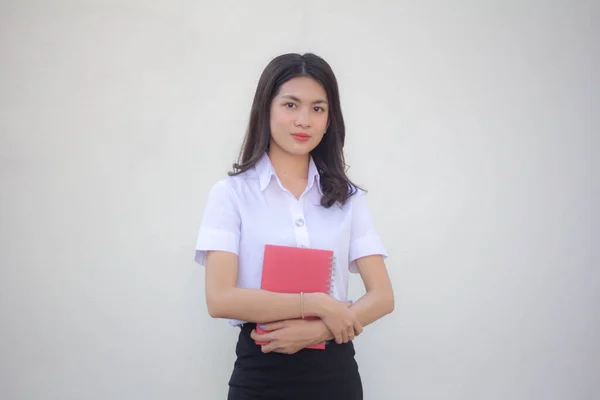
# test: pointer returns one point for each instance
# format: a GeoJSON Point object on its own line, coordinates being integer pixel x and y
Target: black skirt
{"type": "Point", "coordinates": [328, 374]}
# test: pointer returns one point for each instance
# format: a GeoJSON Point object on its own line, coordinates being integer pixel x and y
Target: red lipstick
{"type": "Point", "coordinates": [301, 136]}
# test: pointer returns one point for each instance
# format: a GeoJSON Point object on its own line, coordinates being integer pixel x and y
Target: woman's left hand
{"type": "Point", "coordinates": [290, 336]}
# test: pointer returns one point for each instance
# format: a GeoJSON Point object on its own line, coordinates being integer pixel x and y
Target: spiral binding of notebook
{"type": "Point", "coordinates": [332, 268]}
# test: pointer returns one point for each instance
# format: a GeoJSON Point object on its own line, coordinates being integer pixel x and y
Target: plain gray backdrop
{"type": "Point", "coordinates": [473, 125]}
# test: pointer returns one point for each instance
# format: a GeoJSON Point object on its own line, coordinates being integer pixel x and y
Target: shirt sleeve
{"type": "Point", "coordinates": [220, 226]}
{"type": "Point", "coordinates": [364, 240]}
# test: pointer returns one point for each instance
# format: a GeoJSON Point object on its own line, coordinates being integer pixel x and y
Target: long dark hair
{"type": "Point", "coordinates": [328, 155]}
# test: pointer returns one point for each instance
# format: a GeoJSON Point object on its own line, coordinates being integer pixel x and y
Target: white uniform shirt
{"type": "Point", "coordinates": [247, 211]}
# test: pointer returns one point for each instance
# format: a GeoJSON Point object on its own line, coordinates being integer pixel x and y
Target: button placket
{"type": "Point", "coordinates": [299, 221]}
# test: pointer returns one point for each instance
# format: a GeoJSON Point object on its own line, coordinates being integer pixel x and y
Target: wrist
{"type": "Point", "coordinates": [324, 334]}
{"type": "Point", "coordinates": [314, 305]}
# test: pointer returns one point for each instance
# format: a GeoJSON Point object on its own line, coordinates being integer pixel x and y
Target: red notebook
{"type": "Point", "coordinates": [294, 270]}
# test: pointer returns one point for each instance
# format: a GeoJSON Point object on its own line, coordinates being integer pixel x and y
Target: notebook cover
{"type": "Point", "coordinates": [293, 270]}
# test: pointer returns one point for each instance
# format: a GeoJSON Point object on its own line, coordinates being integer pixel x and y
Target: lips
{"type": "Point", "coordinates": [301, 136]}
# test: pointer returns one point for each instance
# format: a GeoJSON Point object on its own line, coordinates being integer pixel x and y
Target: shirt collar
{"type": "Point", "coordinates": [265, 171]}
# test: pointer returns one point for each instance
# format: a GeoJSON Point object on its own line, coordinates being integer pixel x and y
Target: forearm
{"type": "Point", "coordinates": [373, 306]}
{"type": "Point", "coordinates": [256, 305]}
{"type": "Point", "coordinates": [369, 308]}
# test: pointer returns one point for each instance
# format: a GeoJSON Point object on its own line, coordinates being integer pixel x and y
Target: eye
{"type": "Point", "coordinates": [290, 105]}
{"type": "Point", "coordinates": [318, 109]}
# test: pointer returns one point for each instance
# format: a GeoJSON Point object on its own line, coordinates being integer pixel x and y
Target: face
{"type": "Point", "coordinates": [299, 116]}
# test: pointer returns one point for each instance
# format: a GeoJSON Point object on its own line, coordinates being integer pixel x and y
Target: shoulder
{"type": "Point", "coordinates": [355, 193]}
{"type": "Point", "coordinates": [357, 202]}
{"type": "Point", "coordinates": [234, 186]}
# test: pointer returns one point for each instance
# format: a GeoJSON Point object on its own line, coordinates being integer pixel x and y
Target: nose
{"type": "Point", "coordinates": [302, 118]}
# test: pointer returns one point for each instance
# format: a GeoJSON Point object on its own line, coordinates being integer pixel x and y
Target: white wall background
{"type": "Point", "coordinates": [472, 123]}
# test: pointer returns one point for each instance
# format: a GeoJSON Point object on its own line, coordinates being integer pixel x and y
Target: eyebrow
{"type": "Point", "coordinates": [292, 97]}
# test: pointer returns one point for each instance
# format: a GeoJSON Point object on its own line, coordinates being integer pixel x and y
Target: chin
{"type": "Point", "coordinates": [296, 149]}
{"type": "Point", "coordinates": [298, 152]}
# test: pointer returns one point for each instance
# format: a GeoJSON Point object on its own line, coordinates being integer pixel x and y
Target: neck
{"type": "Point", "coordinates": [289, 166]}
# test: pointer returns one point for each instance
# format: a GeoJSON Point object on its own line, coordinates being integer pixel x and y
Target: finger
{"type": "Point", "coordinates": [272, 346]}
{"type": "Point", "coordinates": [351, 334]}
{"type": "Point", "coordinates": [338, 337]}
{"type": "Point", "coordinates": [261, 337]}
{"type": "Point", "coordinates": [345, 336]}
{"type": "Point", "coordinates": [357, 328]}
{"type": "Point", "coordinates": [273, 326]}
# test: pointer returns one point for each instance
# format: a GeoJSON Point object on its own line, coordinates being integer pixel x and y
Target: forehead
{"type": "Point", "coordinates": [304, 88]}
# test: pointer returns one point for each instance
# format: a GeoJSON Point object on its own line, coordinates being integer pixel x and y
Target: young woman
{"type": "Point", "coordinates": [290, 188]}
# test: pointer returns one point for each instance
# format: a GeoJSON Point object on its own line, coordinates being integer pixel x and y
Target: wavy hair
{"type": "Point", "coordinates": [328, 155]}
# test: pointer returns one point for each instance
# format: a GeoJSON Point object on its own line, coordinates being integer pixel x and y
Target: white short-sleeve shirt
{"type": "Point", "coordinates": [247, 211]}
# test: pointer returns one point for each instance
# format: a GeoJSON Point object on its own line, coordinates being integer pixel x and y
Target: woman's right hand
{"type": "Point", "coordinates": [339, 319]}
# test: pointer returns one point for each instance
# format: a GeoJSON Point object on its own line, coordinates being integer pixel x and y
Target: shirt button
{"type": "Point", "coordinates": [299, 222]}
